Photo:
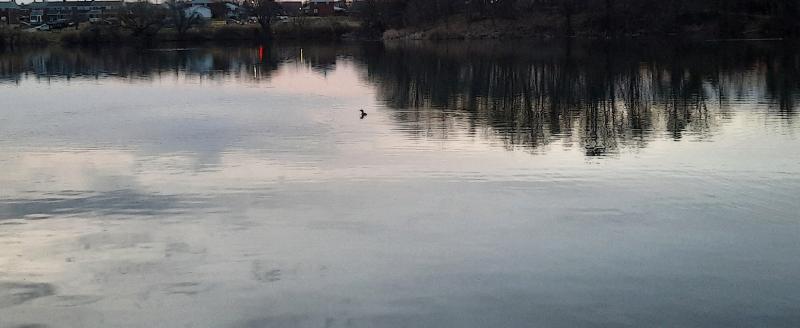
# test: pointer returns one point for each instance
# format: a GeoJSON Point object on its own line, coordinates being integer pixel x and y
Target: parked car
{"type": "Point", "coordinates": [111, 21]}
{"type": "Point", "coordinates": [43, 27]}
{"type": "Point", "coordinates": [58, 24]}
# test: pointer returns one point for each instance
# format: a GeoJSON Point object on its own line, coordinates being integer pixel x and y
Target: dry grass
{"type": "Point", "coordinates": [457, 27]}
{"type": "Point", "coordinates": [15, 36]}
{"type": "Point", "coordinates": [328, 28]}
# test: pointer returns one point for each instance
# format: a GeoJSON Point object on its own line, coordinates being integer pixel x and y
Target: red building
{"type": "Point", "coordinates": [325, 7]}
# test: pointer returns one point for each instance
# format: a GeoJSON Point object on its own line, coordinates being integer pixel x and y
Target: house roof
{"type": "Point", "coordinates": [61, 4]}
{"type": "Point", "coordinates": [9, 5]}
{"type": "Point", "coordinates": [109, 3]}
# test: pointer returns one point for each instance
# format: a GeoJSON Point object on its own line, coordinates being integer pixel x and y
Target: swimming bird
{"type": "Point", "coordinates": [363, 113]}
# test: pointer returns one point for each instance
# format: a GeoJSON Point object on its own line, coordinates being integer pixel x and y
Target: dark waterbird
{"type": "Point", "coordinates": [363, 113]}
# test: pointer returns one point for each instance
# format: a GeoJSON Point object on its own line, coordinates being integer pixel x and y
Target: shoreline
{"type": "Point", "coordinates": [324, 29]}
{"type": "Point", "coordinates": [547, 27]}
{"type": "Point", "coordinates": [331, 31]}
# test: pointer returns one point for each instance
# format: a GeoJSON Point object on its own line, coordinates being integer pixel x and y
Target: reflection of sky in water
{"type": "Point", "coordinates": [228, 199]}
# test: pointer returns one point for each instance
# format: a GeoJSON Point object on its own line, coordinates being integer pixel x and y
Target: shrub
{"type": "Point", "coordinates": [14, 36]}
{"type": "Point", "coordinates": [233, 33]}
{"type": "Point", "coordinates": [95, 34]}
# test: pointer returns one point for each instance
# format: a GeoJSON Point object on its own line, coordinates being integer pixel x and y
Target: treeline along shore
{"type": "Point", "coordinates": [515, 19]}
{"type": "Point", "coordinates": [88, 22]}
{"type": "Point", "coordinates": [74, 22]}
{"type": "Point", "coordinates": [86, 34]}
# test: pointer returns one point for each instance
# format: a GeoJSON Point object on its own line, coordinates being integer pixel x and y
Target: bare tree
{"type": "Point", "coordinates": [501, 8]}
{"type": "Point", "coordinates": [143, 19]}
{"type": "Point", "coordinates": [182, 19]}
{"type": "Point", "coordinates": [787, 17]}
{"type": "Point", "coordinates": [609, 18]}
{"type": "Point", "coordinates": [75, 18]}
{"type": "Point", "coordinates": [608, 21]}
{"type": "Point", "coordinates": [264, 11]}
{"type": "Point", "coordinates": [568, 9]}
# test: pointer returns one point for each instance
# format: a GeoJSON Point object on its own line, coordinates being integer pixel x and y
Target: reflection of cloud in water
{"type": "Point", "coordinates": [118, 202]}
{"type": "Point", "coordinates": [15, 293]}
{"type": "Point", "coordinates": [258, 198]}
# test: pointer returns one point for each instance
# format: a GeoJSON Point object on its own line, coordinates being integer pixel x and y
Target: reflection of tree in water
{"type": "Point", "coordinates": [11, 67]}
{"type": "Point", "coordinates": [602, 97]}
{"type": "Point", "coordinates": [252, 63]}
{"type": "Point", "coordinates": [782, 79]}
{"type": "Point", "coordinates": [319, 58]}
{"type": "Point", "coordinates": [241, 63]}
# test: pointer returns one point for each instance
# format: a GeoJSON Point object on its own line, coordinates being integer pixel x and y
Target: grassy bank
{"type": "Point", "coordinates": [10, 37]}
{"type": "Point", "coordinates": [586, 19]}
{"type": "Point", "coordinates": [459, 28]}
{"type": "Point", "coordinates": [547, 25]}
{"type": "Point", "coordinates": [304, 28]}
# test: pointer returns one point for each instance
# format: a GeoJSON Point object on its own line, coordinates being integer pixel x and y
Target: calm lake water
{"type": "Point", "coordinates": [490, 185]}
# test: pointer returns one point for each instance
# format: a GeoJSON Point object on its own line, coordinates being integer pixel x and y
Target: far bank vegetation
{"type": "Point", "coordinates": [145, 22]}
{"type": "Point", "coordinates": [477, 19]}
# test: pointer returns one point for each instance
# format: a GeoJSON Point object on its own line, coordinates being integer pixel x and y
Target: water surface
{"type": "Point", "coordinates": [545, 185]}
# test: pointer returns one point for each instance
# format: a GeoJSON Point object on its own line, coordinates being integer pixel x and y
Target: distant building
{"type": "Point", "coordinates": [202, 2]}
{"type": "Point", "coordinates": [292, 8]}
{"type": "Point", "coordinates": [10, 12]}
{"type": "Point", "coordinates": [217, 9]}
{"type": "Point", "coordinates": [202, 12]}
{"type": "Point", "coordinates": [325, 7]}
{"type": "Point", "coordinates": [46, 12]}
